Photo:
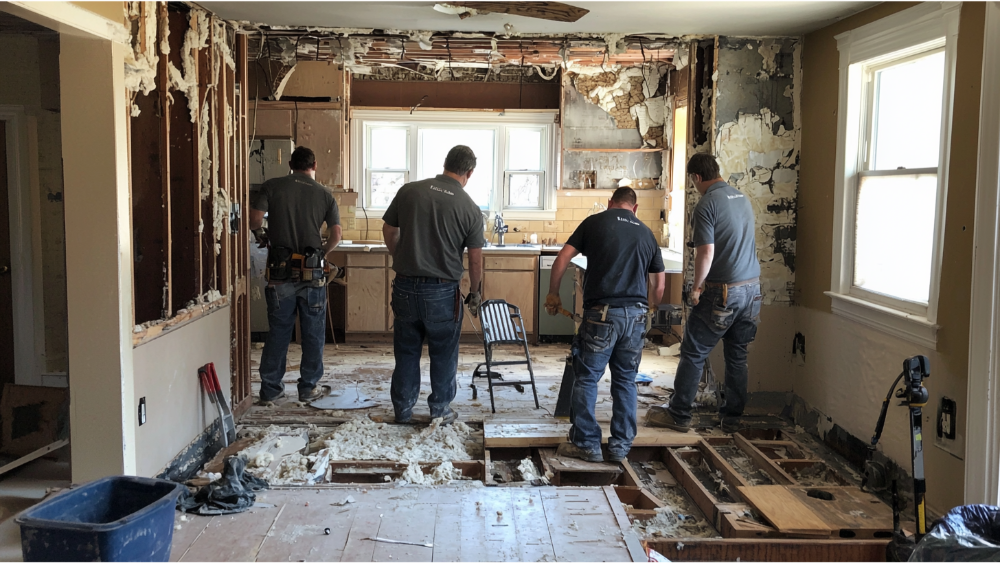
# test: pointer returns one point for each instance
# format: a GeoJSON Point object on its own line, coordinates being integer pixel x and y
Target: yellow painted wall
{"type": "Point", "coordinates": [114, 11]}
{"type": "Point", "coordinates": [848, 367]}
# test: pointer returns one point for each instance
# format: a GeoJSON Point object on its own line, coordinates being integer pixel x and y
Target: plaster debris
{"type": "Point", "coordinates": [669, 523]}
{"type": "Point", "coordinates": [362, 438]}
{"type": "Point", "coordinates": [632, 95]}
{"type": "Point", "coordinates": [347, 500]}
{"type": "Point", "coordinates": [445, 472]}
{"type": "Point", "coordinates": [529, 472]}
{"type": "Point", "coordinates": [262, 460]}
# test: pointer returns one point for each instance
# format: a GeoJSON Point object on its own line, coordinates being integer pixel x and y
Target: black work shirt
{"type": "Point", "coordinates": [620, 252]}
{"type": "Point", "coordinates": [296, 206]}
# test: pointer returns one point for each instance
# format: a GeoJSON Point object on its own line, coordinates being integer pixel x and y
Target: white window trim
{"type": "Point", "coordinates": [359, 119]}
{"type": "Point", "coordinates": [917, 26]}
{"type": "Point", "coordinates": [982, 451]}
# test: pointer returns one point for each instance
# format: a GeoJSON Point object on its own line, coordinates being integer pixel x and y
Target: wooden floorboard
{"type": "Point", "coordinates": [233, 537]}
{"type": "Point", "coordinates": [533, 539]}
{"type": "Point", "coordinates": [414, 523]}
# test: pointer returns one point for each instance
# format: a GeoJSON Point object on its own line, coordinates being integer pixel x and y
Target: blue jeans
{"type": "Point", "coordinates": [283, 300]}
{"type": "Point", "coordinates": [616, 342]}
{"type": "Point", "coordinates": [425, 310]}
{"type": "Point", "coordinates": [735, 323]}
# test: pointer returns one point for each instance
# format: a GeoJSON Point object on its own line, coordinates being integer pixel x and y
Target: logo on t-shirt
{"type": "Point", "coordinates": [442, 190]}
{"type": "Point", "coordinates": [623, 219]}
{"type": "Point", "coordinates": [734, 196]}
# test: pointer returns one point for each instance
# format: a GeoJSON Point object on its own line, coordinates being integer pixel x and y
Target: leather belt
{"type": "Point", "coordinates": [421, 279]}
{"type": "Point", "coordinates": [734, 284]}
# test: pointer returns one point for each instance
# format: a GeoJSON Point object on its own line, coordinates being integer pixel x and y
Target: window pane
{"type": "Point", "coordinates": [384, 187]}
{"type": "Point", "coordinates": [894, 237]}
{"type": "Point", "coordinates": [524, 148]}
{"type": "Point", "coordinates": [907, 123]}
{"type": "Point", "coordinates": [434, 147]}
{"type": "Point", "coordinates": [525, 190]}
{"type": "Point", "coordinates": [388, 148]}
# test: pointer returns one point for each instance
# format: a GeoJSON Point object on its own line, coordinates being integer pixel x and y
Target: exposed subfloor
{"type": "Point", "coordinates": [450, 523]}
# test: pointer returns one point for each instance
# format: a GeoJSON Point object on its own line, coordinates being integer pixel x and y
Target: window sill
{"type": "Point", "coordinates": [912, 328]}
{"type": "Point", "coordinates": [527, 215]}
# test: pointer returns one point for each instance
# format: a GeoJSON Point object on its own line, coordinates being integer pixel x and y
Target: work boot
{"type": "Point", "coordinates": [660, 417]}
{"type": "Point", "coordinates": [570, 449]}
{"type": "Point", "coordinates": [615, 457]}
{"type": "Point", "coordinates": [312, 395]}
{"type": "Point", "coordinates": [270, 402]}
{"type": "Point", "coordinates": [730, 425]}
{"type": "Point", "coordinates": [447, 417]}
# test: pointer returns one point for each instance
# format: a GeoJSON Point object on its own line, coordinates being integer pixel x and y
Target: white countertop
{"type": "Point", "coordinates": [671, 261]}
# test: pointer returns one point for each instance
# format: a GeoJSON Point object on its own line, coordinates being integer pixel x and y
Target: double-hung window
{"type": "Point", "coordinates": [896, 82]}
{"type": "Point", "coordinates": [515, 155]}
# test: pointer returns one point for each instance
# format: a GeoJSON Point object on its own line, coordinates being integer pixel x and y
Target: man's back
{"type": "Point", "coordinates": [620, 252]}
{"type": "Point", "coordinates": [297, 206]}
{"type": "Point", "coordinates": [725, 218]}
{"type": "Point", "coordinates": [437, 220]}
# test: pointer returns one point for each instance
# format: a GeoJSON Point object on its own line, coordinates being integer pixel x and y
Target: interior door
{"type": "Point", "coordinates": [6, 297]}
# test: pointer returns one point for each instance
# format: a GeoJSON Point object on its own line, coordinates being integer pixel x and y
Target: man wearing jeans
{"type": "Point", "coordinates": [428, 226]}
{"type": "Point", "coordinates": [621, 254]}
{"type": "Point", "coordinates": [297, 206]}
{"type": "Point", "coordinates": [726, 298]}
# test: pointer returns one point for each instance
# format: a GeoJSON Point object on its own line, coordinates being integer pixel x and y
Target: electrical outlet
{"type": "Point", "coordinates": [663, 215]}
{"type": "Point", "coordinates": [946, 418]}
{"type": "Point", "coordinates": [142, 411]}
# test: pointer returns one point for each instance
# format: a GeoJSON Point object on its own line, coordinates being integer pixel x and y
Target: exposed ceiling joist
{"type": "Point", "coordinates": [552, 11]}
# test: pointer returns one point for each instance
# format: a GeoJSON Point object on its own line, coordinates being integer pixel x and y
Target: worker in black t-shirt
{"type": "Point", "coordinates": [622, 258]}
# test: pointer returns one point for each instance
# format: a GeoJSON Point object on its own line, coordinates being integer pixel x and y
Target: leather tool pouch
{"type": "Point", "coordinates": [313, 265]}
{"type": "Point", "coordinates": [279, 264]}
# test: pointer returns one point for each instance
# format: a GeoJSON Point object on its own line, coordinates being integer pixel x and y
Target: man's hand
{"type": "Point", "coordinates": [474, 300]}
{"type": "Point", "coordinates": [695, 297]}
{"type": "Point", "coordinates": [553, 304]}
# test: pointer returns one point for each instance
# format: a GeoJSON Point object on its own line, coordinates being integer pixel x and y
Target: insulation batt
{"type": "Point", "coordinates": [364, 439]}
{"type": "Point", "coordinates": [670, 524]}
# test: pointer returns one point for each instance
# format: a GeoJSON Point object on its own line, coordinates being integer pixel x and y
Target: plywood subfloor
{"type": "Point", "coordinates": [369, 368]}
{"type": "Point", "coordinates": [461, 524]}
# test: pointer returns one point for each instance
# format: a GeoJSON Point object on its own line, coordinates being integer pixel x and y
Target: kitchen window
{"type": "Point", "coordinates": [514, 152]}
{"type": "Point", "coordinates": [896, 82]}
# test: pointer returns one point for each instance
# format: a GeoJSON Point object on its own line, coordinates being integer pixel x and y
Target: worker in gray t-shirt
{"type": "Point", "coordinates": [726, 298]}
{"type": "Point", "coordinates": [428, 226]}
{"type": "Point", "coordinates": [297, 207]}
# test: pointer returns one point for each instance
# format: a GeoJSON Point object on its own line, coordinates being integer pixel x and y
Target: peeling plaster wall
{"type": "Point", "coordinates": [634, 96]}
{"type": "Point", "coordinates": [849, 367]}
{"type": "Point", "coordinates": [29, 77]}
{"type": "Point", "coordinates": [757, 144]}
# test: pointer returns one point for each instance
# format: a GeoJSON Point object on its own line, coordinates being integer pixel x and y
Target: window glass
{"type": "Point", "coordinates": [524, 149]}
{"type": "Point", "coordinates": [894, 235]}
{"type": "Point", "coordinates": [906, 127]}
{"type": "Point", "coordinates": [525, 190]}
{"type": "Point", "coordinates": [435, 144]}
{"type": "Point", "coordinates": [384, 187]}
{"type": "Point", "coordinates": [387, 146]}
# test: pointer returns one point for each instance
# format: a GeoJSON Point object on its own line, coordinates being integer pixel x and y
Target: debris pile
{"type": "Point", "coordinates": [364, 439]}
{"type": "Point", "coordinates": [669, 523]}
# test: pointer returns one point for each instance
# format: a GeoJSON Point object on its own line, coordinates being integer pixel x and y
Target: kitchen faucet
{"type": "Point", "coordinates": [499, 228]}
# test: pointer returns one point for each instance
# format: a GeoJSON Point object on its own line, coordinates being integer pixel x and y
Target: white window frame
{"type": "Point", "coordinates": [362, 120]}
{"type": "Point", "coordinates": [919, 29]}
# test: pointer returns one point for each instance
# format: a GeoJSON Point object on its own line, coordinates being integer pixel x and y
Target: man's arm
{"type": "Point", "coordinates": [332, 240]}
{"type": "Point", "coordinates": [658, 281]}
{"type": "Point", "coordinates": [256, 219]}
{"type": "Point", "coordinates": [703, 256]}
{"type": "Point", "coordinates": [475, 270]}
{"type": "Point", "coordinates": [552, 301]}
{"type": "Point", "coordinates": [390, 235]}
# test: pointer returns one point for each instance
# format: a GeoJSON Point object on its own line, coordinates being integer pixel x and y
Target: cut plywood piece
{"type": "Point", "coordinates": [366, 299]}
{"type": "Point", "coordinates": [853, 513]}
{"type": "Point", "coordinates": [783, 509]}
{"type": "Point", "coordinates": [534, 434]}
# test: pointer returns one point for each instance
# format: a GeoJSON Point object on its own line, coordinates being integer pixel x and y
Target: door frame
{"type": "Point", "coordinates": [21, 252]}
{"type": "Point", "coordinates": [982, 461]}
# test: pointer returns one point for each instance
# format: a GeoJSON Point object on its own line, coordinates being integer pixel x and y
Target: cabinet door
{"type": "Point", "coordinates": [516, 288]}
{"type": "Point", "coordinates": [366, 300]}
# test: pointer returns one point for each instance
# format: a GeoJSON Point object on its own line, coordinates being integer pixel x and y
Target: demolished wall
{"type": "Point", "coordinates": [635, 96]}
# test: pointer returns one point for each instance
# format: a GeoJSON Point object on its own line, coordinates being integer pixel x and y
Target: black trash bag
{"type": "Point", "coordinates": [232, 493]}
{"type": "Point", "coordinates": [966, 533]}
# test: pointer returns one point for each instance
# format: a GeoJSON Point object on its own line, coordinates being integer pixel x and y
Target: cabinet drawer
{"type": "Point", "coordinates": [510, 262]}
{"type": "Point", "coordinates": [365, 260]}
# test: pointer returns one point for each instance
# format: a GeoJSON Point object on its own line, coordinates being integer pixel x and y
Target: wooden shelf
{"type": "Point", "coordinates": [613, 150]}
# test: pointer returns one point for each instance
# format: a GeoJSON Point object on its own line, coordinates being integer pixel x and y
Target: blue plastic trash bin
{"type": "Point", "coordinates": [116, 518]}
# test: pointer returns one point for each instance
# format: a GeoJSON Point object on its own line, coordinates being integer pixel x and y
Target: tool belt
{"type": "Point", "coordinates": [283, 265]}
{"type": "Point", "coordinates": [725, 287]}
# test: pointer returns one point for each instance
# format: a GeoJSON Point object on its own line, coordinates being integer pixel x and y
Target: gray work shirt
{"type": "Point", "coordinates": [437, 221]}
{"type": "Point", "coordinates": [724, 217]}
{"type": "Point", "coordinates": [296, 206]}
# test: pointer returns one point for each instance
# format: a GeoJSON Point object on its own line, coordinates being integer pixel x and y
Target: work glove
{"type": "Point", "coordinates": [473, 300]}
{"type": "Point", "coordinates": [336, 275]}
{"type": "Point", "coordinates": [261, 236]}
{"type": "Point", "coordinates": [553, 304]}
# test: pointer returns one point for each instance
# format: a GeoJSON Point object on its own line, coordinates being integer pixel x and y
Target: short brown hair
{"type": "Point", "coordinates": [624, 195]}
{"type": "Point", "coordinates": [704, 165]}
{"type": "Point", "coordinates": [460, 160]}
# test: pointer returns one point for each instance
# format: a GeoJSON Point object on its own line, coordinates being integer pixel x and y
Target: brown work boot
{"type": "Point", "coordinates": [315, 393]}
{"type": "Point", "coordinates": [570, 449]}
{"type": "Point", "coordinates": [660, 417]}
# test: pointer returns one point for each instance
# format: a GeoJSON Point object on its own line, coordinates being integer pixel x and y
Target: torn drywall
{"type": "Point", "coordinates": [633, 96]}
